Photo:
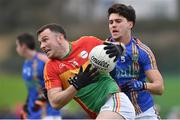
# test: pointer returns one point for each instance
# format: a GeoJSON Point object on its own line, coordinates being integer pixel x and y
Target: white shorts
{"type": "Point", "coordinates": [120, 103]}
{"type": "Point", "coordinates": [52, 118]}
{"type": "Point", "coordinates": [149, 114]}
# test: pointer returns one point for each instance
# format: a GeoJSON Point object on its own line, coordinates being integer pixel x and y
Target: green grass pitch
{"type": "Point", "coordinates": [13, 91]}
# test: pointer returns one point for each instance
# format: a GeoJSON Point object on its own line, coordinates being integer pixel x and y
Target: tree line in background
{"type": "Point", "coordinates": [28, 15]}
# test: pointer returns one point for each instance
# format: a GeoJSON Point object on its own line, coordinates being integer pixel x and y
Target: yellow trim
{"type": "Point", "coordinates": [150, 55]}
{"type": "Point", "coordinates": [70, 73]}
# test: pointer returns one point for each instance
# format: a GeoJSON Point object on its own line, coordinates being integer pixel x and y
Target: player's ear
{"type": "Point", "coordinates": [61, 36]}
{"type": "Point", "coordinates": [24, 46]}
{"type": "Point", "coordinates": [130, 24]}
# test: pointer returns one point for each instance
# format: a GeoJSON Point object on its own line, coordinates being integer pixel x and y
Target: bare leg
{"type": "Point", "coordinates": [109, 115]}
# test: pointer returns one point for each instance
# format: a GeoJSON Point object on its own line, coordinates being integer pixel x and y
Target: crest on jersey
{"type": "Point", "coordinates": [84, 54]}
{"type": "Point", "coordinates": [135, 57]}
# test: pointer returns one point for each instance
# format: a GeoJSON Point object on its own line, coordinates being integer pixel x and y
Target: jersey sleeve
{"type": "Point", "coordinates": [147, 59]}
{"type": "Point", "coordinates": [51, 76]}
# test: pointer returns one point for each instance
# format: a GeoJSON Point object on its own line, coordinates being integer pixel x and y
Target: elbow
{"type": "Point", "coordinates": [161, 90]}
{"type": "Point", "coordinates": [159, 93]}
{"type": "Point", "coordinates": [55, 105]}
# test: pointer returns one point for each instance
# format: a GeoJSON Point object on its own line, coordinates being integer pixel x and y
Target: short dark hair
{"type": "Point", "coordinates": [126, 11]}
{"type": "Point", "coordinates": [53, 27]}
{"type": "Point", "coordinates": [28, 39]}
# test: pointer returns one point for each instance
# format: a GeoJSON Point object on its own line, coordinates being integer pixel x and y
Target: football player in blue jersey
{"type": "Point", "coordinates": [136, 71]}
{"type": "Point", "coordinates": [32, 72]}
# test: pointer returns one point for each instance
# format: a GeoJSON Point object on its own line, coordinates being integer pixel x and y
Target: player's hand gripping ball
{"type": "Point", "coordinates": [101, 60]}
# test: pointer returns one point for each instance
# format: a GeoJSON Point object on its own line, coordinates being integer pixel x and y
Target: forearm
{"type": "Point", "coordinates": [155, 84]}
{"type": "Point", "coordinates": [59, 98]}
{"type": "Point", "coordinates": [156, 89]}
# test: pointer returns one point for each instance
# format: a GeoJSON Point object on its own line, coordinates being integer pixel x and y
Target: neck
{"type": "Point", "coordinates": [124, 39]}
{"type": "Point", "coordinates": [30, 54]}
{"type": "Point", "coordinates": [65, 51]}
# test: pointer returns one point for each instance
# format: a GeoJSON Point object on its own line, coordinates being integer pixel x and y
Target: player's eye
{"type": "Point", "coordinates": [44, 39]}
{"type": "Point", "coordinates": [110, 21]}
{"type": "Point", "coordinates": [118, 21]}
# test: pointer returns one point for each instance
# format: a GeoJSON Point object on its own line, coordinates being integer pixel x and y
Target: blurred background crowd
{"type": "Point", "coordinates": [158, 26]}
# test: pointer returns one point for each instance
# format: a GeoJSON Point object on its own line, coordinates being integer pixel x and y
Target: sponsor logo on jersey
{"type": "Point", "coordinates": [126, 72]}
{"type": "Point", "coordinates": [61, 65]}
{"type": "Point", "coordinates": [27, 71]}
{"type": "Point", "coordinates": [74, 63]}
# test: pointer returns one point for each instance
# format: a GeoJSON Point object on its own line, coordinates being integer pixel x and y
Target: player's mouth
{"type": "Point", "coordinates": [115, 32]}
{"type": "Point", "coordinates": [47, 50]}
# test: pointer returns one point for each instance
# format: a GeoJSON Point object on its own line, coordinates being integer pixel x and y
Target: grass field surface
{"type": "Point", "coordinates": [171, 97]}
{"type": "Point", "coordinates": [13, 91]}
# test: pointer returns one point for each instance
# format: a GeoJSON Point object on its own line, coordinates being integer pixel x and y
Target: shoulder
{"type": "Point", "coordinates": [86, 42]}
{"type": "Point", "coordinates": [143, 48]}
{"type": "Point", "coordinates": [146, 55]}
{"type": "Point", "coordinates": [51, 65]}
{"type": "Point", "coordinates": [89, 39]}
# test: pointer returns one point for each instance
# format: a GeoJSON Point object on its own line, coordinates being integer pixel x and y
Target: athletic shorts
{"type": "Point", "coordinates": [52, 118]}
{"type": "Point", "coordinates": [120, 103]}
{"type": "Point", "coordinates": [149, 114]}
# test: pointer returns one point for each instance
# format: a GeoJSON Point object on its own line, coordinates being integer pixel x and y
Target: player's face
{"type": "Point", "coordinates": [119, 26]}
{"type": "Point", "coordinates": [50, 43]}
{"type": "Point", "coordinates": [19, 48]}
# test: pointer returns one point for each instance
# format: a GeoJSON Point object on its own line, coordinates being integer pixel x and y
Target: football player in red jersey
{"type": "Point", "coordinates": [69, 75]}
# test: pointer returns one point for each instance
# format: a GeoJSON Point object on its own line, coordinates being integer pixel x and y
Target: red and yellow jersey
{"type": "Point", "coordinates": [57, 73]}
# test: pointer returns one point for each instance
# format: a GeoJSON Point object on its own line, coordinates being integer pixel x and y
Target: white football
{"type": "Point", "coordinates": [100, 59]}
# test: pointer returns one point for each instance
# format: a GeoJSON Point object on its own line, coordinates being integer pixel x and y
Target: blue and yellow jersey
{"type": "Point", "coordinates": [32, 74]}
{"type": "Point", "coordinates": [138, 59]}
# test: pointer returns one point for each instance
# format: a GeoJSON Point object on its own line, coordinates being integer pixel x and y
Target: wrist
{"type": "Point", "coordinates": [73, 83]}
{"type": "Point", "coordinates": [144, 86]}
{"type": "Point", "coordinates": [73, 88]}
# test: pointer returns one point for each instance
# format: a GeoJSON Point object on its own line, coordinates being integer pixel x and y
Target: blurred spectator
{"type": "Point", "coordinates": [32, 72]}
